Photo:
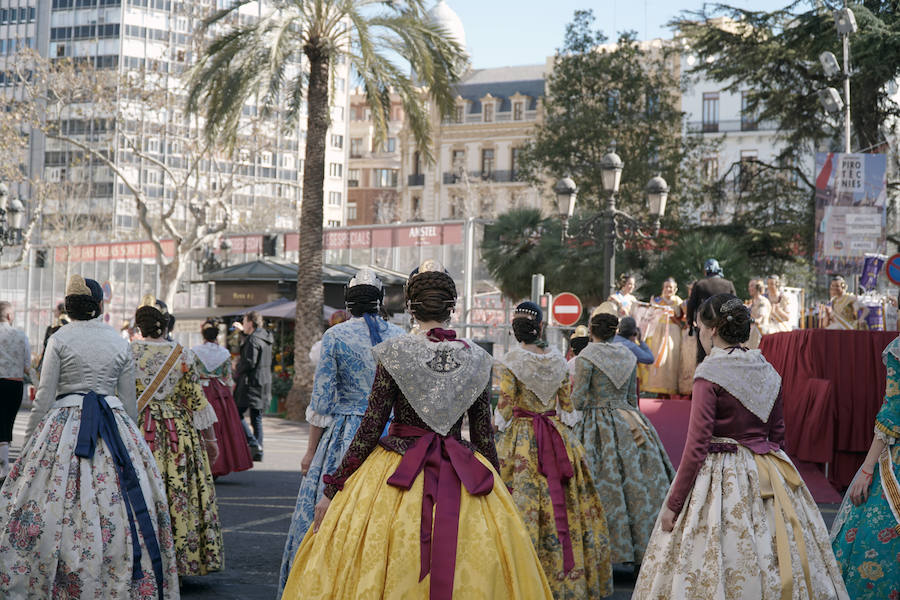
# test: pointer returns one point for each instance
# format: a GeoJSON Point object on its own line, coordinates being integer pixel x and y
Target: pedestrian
{"type": "Point", "coordinates": [714, 283]}
{"type": "Point", "coordinates": [664, 341]}
{"type": "Point", "coordinates": [212, 363]}
{"type": "Point", "coordinates": [627, 461]}
{"type": "Point", "coordinates": [15, 364]}
{"type": "Point", "coordinates": [738, 521]}
{"type": "Point", "coordinates": [630, 336]}
{"type": "Point", "coordinates": [866, 532]}
{"type": "Point", "coordinates": [781, 304]}
{"type": "Point", "coordinates": [337, 317]}
{"type": "Point", "coordinates": [421, 501]}
{"type": "Point", "coordinates": [579, 339]}
{"type": "Point", "coordinates": [60, 318]}
{"type": "Point", "coordinates": [340, 395]}
{"type": "Point", "coordinates": [760, 314]}
{"type": "Point", "coordinates": [177, 423]}
{"type": "Point", "coordinates": [544, 466]}
{"type": "Point", "coordinates": [253, 379]}
{"type": "Point", "coordinates": [83, 513]}
{"type": "Point", "coordinates": [622, 298]}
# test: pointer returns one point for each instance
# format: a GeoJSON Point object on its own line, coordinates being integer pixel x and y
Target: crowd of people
{"type": "Point", "coordinates": [555, 480]}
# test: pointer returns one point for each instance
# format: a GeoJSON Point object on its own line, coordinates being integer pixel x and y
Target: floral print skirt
{"type": "Point", "coordinates": [181, 457]}
{"type": "Point", "coordinates": [724, 541]}
{"type": "Point", "coordinates": [592, 575]}
{"type": "Point", "coordinates": [368, 544]}
{"type": "Point", "coordinates": [866, 542]}
{"type": "Point", "coordinates": [64, 530]}
{"type": "Point", "coordinates": [631, 471]}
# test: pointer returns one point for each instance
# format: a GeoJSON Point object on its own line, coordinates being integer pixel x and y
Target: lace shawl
{"type": "Point", "coordinates": [440, 380]}
{"type": "Point", "coordinates": [745, 375]}
{"type": "Point", "coordinates": [211, 355]}
{"type": "Point", "coordinates": [615, 360]}
{"type": "Point", "coordinates": [543, 374]}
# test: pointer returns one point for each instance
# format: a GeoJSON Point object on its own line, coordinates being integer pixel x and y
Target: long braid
{"type": "Point", "coordinates": [431, 296]}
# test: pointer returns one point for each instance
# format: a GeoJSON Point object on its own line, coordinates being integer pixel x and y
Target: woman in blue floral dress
{"type": "Point", "coordinates": [866, 533]}
{"type": "Point", "coordinates": [340, 396]}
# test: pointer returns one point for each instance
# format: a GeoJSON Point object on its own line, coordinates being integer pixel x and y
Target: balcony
{"type": "Point", "coordinates": [450, 178]}
{"type": "Point", "coordinates": [416, 180]}
{"type": "Point", "coordinates": [731, 126]}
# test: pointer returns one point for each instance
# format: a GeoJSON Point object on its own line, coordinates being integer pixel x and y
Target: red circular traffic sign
{"type": "Point", "coordinates": [892, 269]}
{"type": "Point", "coordinates": [566, 309]}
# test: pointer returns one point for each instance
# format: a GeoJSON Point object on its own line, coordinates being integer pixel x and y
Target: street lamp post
{"type": "Point", "coordinates": [611, 174]}
{"type": "Point", "coordinates": [845, 23]}
{"type": "Point", "coordinates": [616, 225]}
{"type": "Point", "coordinates": [12, 218]}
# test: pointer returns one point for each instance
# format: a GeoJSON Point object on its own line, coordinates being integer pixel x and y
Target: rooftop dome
{"type": "Point", "coordinates": [441, 14]}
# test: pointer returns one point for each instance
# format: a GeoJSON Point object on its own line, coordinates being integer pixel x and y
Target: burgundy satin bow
{"type": "Point", "coordinates": [553, 463]}
{"type": "Point", "coordinates": [444, 335]}
{"type": "Point", "coordinates": [446, 463]}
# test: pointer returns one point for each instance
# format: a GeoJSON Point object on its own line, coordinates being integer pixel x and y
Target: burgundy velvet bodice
{"type": "Point", "coordinates": [716, 413]}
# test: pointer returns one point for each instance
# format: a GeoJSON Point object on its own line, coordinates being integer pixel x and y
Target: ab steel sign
{"type": "Point", "coordinates": [566, 309]}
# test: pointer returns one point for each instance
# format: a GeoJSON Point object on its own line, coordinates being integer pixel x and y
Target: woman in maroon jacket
{"type": "Point", "coordinates": [738, 521]}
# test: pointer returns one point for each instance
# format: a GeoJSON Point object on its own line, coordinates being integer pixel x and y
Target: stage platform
{"type": "Point", "coordinates": [671, 417]}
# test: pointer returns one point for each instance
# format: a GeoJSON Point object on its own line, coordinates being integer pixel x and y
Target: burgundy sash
{"type": "Point", "coordinates": [446, 463]}
{"type": "Point", "coordinates": [553, 463]}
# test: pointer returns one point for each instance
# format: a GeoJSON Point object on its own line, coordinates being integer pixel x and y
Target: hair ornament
{"type": "Point", "coordinates": [77, 286]}
{"type": "Point", "coordinates": [731, 306]}
{"type": "Point", "coordinates": [366, 276]}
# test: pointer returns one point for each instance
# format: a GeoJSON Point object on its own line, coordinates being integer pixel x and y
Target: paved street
{"type": "Point", "coordinates": [255, 508]}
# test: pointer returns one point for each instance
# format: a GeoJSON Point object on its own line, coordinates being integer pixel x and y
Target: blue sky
{"type": "Point", "coordinates": [519, 32]}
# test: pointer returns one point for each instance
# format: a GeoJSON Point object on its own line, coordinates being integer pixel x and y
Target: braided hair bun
{"type": "Point", "coordinates": [729, 316]}
{"type": "Point", "coordinates": [526, 329]}
{"type": "Point", "coordinates": [604, 326]}
{"type": "Point", "coordinates": [210, 330]}
{"type": "Point", "coordinates": [150, 321]}
{"type": "Point", "coordinates": [431, 296]}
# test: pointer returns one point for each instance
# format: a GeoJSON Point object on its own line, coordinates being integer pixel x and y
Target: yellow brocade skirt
{"type": "Point", "coordinates": [368, 544]}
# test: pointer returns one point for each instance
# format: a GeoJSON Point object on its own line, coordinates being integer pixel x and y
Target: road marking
{"type": "Point", "coordinates": [278, 533]}
{"type": "Point", "coordinates": [265, 521]}
{"type": "Point", "coordinates": [226, 503]}
{"type": "Point", "coordinates": [220, 497]}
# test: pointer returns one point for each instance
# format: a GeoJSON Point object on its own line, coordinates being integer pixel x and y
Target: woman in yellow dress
{"type": "Point", "coordinates": [177, 423]}
{"type": "Point", "coordinates": [544, 465]}
{"type": "Point", "coordinates": [421, 513]}
{"type": "Point", "coordinates": [760, 313]}
{"type": "Point", "coordinates": [664, 339]}
{"type": "Point", "coordinates": [780, 319]}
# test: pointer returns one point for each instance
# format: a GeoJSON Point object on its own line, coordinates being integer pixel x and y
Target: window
{"type": "Point", "coordinates": [337, 113]}
{"type": "Point", "coordinates": [749, 120]}
{"type": "Point", "coordinates": [334, 198]}
{"type": "Point", "coordinates": [652, 99]}
{"type": "Point", "coordinates": [710, 167]}
{"type": "Point", "coordinates": [351, 211]}
{"type": "Point", "coordinates": [518, 111]}
{"type": "Point", "coordinates": [612, 102]}
{"type": "Point", "coordinates": [460, 114]}
{"type": "Point", "coordinates": [60, 50]}
{"type": "Point", "coordinates": [356, 145]}
{"type": "Point", "coordinates": [747, 169]}
{"type": "Point", "coordinates": [416, 207]}
{"type": "Point", "coordinates": [333, 223]}
{"type": "Point", "coordinates": [417, 163]}
{"type": "Point", "coordinates": [335, 169]}
{"type": "Point", "coordinates": [352, 177]}
{"type": "Point", "coordinates": [488, 112]}
{"type": "Point", "coordinates": [340, 84]}
{"type": "Point", "coordinates": [391, 144]}
{"type": "Point", "coordinates": [515, 162]}
{"type": "Point", "coordinates": [384, 178]}
{"type": "Point", "coordinates": [710, 112]}
{"type": "Point", "coordinates": [458, 160]}
{"type": "Point", "coordinates": [337, 141]}
{"type": "Point", "coordinates": [487, 162]}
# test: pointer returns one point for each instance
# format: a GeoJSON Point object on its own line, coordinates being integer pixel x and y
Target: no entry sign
{"type": "Point", "coordinates": [892, 269]}
{"type": "Point", "coordinates": [566, 309]}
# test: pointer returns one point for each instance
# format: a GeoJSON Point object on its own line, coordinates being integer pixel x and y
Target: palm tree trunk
{"type": "Point", "coordinates": [310, 297]}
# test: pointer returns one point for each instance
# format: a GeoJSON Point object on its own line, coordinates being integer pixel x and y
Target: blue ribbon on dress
{"type": "Point", "coordinates": [372, 321]}
{"type": "Point", "coordinates": [98, 421]}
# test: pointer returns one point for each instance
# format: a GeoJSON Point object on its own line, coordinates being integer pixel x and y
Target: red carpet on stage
{"type": "Point", "coordinates": [671, 417]}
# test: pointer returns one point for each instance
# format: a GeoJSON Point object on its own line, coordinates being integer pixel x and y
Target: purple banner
{"type": "Point", "coordinates": [872, 264]}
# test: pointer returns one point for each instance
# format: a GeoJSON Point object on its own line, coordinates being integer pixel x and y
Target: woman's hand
{"type": "Point", "coordinates": [667, 521]}
{"type": "Point", "coordinates": [306, 461]}
{"type": "Point", "coordinates": [212, 450]}
{"type": "Point", "coordinates": [321, 509]}
{"type": "Point", "coordinates": [859, 489]}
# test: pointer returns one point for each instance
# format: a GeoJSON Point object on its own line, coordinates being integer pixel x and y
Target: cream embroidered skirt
{"type": "Point", "coordinates": [743, 536]}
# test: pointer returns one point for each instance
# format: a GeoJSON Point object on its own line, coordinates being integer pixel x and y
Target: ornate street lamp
{"type": "Point", "coordinates": [658, 195]}
{"type": "Point", "coordinates": [566, 192]}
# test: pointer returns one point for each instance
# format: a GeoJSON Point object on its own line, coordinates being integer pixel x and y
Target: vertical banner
{"type": "Point", "coordinates": [851, 201]}
{"type": "Point", "coordinates": [872, 264]}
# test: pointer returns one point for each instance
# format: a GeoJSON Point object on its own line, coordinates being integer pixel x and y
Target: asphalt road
{"type": "Point", "coordinates": [255, 509]}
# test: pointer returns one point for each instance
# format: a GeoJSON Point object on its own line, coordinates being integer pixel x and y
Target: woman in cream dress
{"type": "Point", "coordinates": [664, 339]}
{"type": "Point", "coordinates": [760, 312]}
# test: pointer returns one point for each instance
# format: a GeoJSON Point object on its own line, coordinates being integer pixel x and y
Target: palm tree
{"type": "Point", "coordinates": [391, 46]}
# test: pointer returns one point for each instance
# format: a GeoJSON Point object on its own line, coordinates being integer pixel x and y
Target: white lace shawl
{"type": "Point", "coordinates": [211, 355]}
{"type": "Point", "coordinates": [543, 374]}
{"type": "Point", "coordinates": [440, 380]}
{"type": "Point", "coordinates": [745, 375]}
{"type": "Point", "coordinates": [615, 360]}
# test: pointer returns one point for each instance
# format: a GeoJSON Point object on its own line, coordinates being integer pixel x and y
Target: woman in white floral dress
{"type": "Point", "coordinates": [83, 513]}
